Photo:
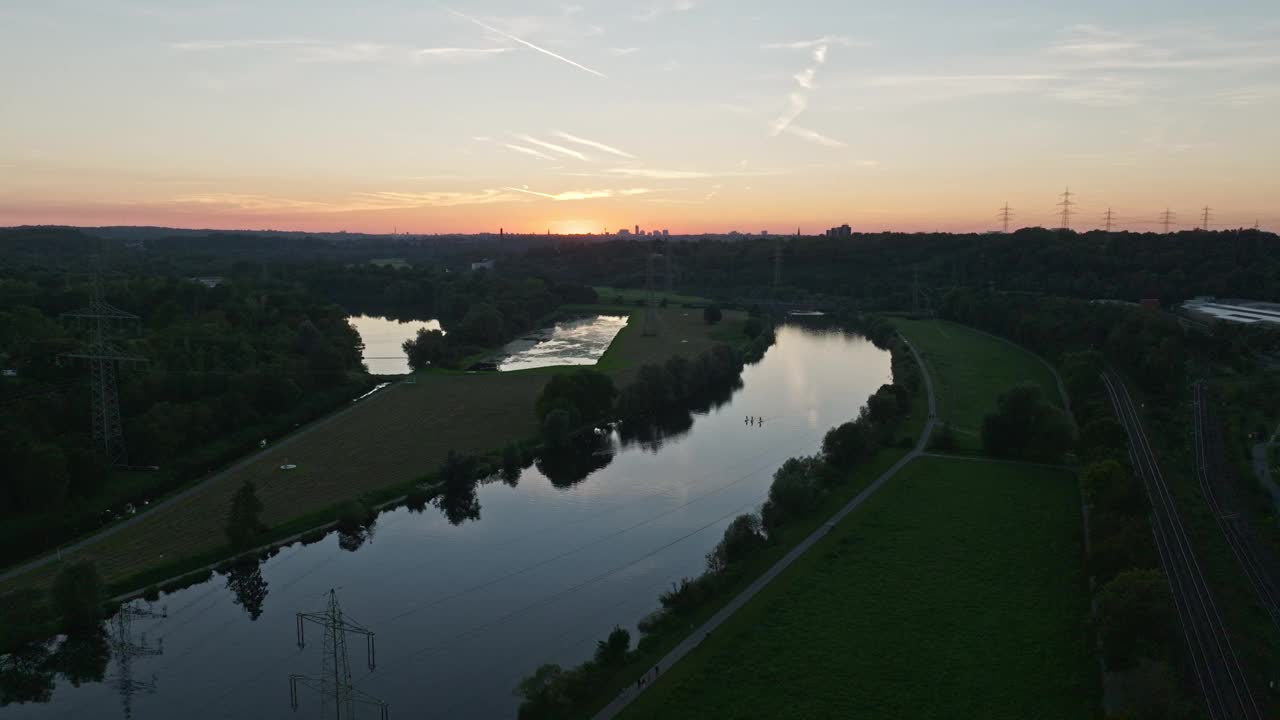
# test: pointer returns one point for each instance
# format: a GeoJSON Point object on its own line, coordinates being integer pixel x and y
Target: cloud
{"type": "Point", "coordinates": [527, 151]}
{"type": "Point", "coordinates": [622, 51]}
{"type": "Point", "coordinates": [805, 78]}
{"type": "Point", "coordinates": [351, 52]}
{"type": "Point", "coordinates": [593, 144]}
{"type": "Point", "coordinates": [814, 44]}
{"type": "Point", "coordinates": [571, 195]}
{"type": "Point", "coordinates": [555, 148]}
{"type": "Point", "coordinates": [664, 7]}
{"type": "Point", "coordinates": [249, 201]}
{"type": "Point", "coordinates": [666, 174]}
{"type": "Point", "coordinates": [797, 102]}
{"type": "Point", "coordinates": [363, 201]}
{"type": "Point", "coordinates": [392, 200]}
{"type": "Point", "coordinates": [528, 44]}
{"type": "Point", "coordinates": [815, 137]}
{"type": "Point", "coordinates": [1093, 47]}
{"type": "Point", "coordinates": [1102, 91]}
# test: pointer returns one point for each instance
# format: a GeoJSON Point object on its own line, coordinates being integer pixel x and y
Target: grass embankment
{"type": "Point", "coordinates": [632, 295]}
{"type": "Point", "coordinates": [956, 591]}
{"type": "Point", "coordinates": [376, 450]}
{"type": "Point", "coordinates": [970, 369]}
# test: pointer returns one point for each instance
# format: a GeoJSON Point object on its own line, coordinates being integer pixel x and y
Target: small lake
{"type": "Point", "coordinates": [383, 337]}
{"type": "Point", "coordinates": [534, 569]}
{"type": "Point", "coordinates": [580, 341]}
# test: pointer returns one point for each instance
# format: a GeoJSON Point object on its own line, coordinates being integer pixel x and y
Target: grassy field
{"type": "Point", "coordinates": [384, 441]}
{"type": "Point", "coordinates": [957, 591]}
{"type": "Point", "coordinates": [630, 295]}
{"type": "Point", "coordinates": [970, 370]}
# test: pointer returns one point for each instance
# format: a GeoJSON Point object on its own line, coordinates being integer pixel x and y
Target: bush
{"type": "Point", "coordinates": [612, 651]}
{"type": "Point", "coordinates": [588, 394]}
{"type": "Point", "coordinates": [711, 314]}
{"type": "Point", "coordinates": [77, 596]}
{"type": "Point", "coordinates": [1135, 618]}
{"type": "Point", "coordinates": [752, 327]}
{"type": "Point", "coordinates": [944, 438]}
{"type": "Point", "coordinates": [849, 444]}
{"type": "Point", "coordinates": [795, 491]}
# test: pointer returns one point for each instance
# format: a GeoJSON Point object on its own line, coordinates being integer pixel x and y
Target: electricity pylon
{"type": "Point", "coordinates": [337, 695]}
{"type": "Point", "coordinates": [125, 650]}
{"type": "Point", "coordinates": [1005, 214]}
{"type": "Point", "coordinates": [1107, 218]}
{"type": "Point", "coordinates": [1166, 218]}
{"type": "Point", "coordinates": [1066, 205]}
{"type": "Point", "coordinates": [1204, 222]}
{"type": "Point", "coordinates": [103, 357]}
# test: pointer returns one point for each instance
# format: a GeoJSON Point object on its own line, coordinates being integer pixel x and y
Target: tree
{"type": "Point", "coordinates": [243, 521]}
{"type": "Point", "coordinates": [482, 325]}
{"type": "Point", "coordinates": [848, 444]}
{"type": "Point", "coordinates": [743, 537]}
{"type": "Point", "coordinates": [428, 348]}
{"type": "Point", "coordinates": [1135, 618]}
{"type": "Point", "coordinates": [584, 393]}
{"type": "Point", "coordinates": [77, 596]}
{"type": "Point", "coordinates": [557, 428]}
{"type": "Point", "coordinates": [613, 650]}
{"type": "Point", "coordinates": [794, 492]}
{"type": "Point", "coordinates": [1026, 426]}
{"type": "Point", "coordinates": [711, 314]}
{"type": "Point", "coordinates": [752, 327]}
{"type": "Point", "coordinates": [245, 581]}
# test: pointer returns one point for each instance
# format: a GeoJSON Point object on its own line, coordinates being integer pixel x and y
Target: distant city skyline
{"type": "Point", "coordinates": [691, 115]}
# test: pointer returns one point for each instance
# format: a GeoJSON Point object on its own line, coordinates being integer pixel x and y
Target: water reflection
{"type": "Point", "coordinates": [383, 337]}
{"type": "Point", "coordinates": [571, 342]}
{"type": "Point", "coordinates": [245, 581]}
{"type": "Point", "coordinates": [464, 605]}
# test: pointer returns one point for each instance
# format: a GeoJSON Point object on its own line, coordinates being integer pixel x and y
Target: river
{"type": "Point", "coordinates": [463, 612]}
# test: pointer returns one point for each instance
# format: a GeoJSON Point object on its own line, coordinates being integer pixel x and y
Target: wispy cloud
{"type": "Point", "coordinates": [362, 201]}
{"type": "Point", "coordinates": [249, 201]}
{"type": "Point", "coordinates": [805, 78]}
{"type": "Point", "coordinates": [391, 200]}
{"type": "Point", "coordinates": [620, 51]}
{"type": "Point", "coordinates": [668, 174]}
{"type": "Point", "coordinates": [528, 44]}
{"type": "Point", "coordinates": [815, 137]}
{"type": "Point", "coordinates": [348, 52]}
{"type": "Point", "coordinates": [815, 43]}
{"type": "Point", "coordinates": [661, 8]}
{"type": "Point", "coordinates": [570, 195]}
{"type": "Point", "coordinates": [798, 101]}
{"type": "Point", "coordinates": [593, 144]}
{"type": "Point", "coordinates": [527, 151]}
{"type": "Point", "coordinates": [555, 148]}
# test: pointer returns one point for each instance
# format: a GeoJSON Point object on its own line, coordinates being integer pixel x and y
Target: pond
{"type": "Point", "coordinates": [580, 341]}
{"type": "Point", "coordinates": [383, 337]}
{"type": "Point", "coordinates": [536, 570]}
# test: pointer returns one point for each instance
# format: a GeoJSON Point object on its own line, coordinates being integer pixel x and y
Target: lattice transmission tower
{"type": "Point", "coordinates": [1066, 205]}
{"type": "Point", "coordinates": [124, 649]}
{"type": "Point", "coordinates": [103, 357]}
{"type": "Point", "coordinates": [1005, 215]}
{"type": "Point", "coordinates": [1167, 218]}
{"type": "Point", "coordinates": [1107, 218]}
{"type": "Point", "coordinates": [338, 696]}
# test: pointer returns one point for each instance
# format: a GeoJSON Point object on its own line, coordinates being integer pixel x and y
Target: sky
{"type": "Point", "coordinates": [591, 115]}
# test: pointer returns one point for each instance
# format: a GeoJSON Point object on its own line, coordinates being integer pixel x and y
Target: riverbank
{"type": "Point", "coordinates": [372, 451]}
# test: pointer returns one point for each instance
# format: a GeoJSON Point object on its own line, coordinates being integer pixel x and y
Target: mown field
{"type": "Point", "coordinates": [970, 370]}
{"type": "Point", "coordinates": [957, 591]}
{"type": "Point", "coordinates": [386, 440]}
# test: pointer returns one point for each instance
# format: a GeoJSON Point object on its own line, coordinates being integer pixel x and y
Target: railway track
{"type": "Point", "coordinates": [1217, 668]}
{"type": "Point", "coordinates": [1234, 528]}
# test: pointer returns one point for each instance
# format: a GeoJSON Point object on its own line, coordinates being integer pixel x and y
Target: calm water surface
{"type": "Point", "coordinates": [571, 342]}
{"type": "Point", "coordinates": [383, 337]}
{"type": "Point", "coordinates": [463, 612]}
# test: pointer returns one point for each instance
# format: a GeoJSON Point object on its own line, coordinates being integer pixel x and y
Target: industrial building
{"type": "Point", "coordinates": [1238, 311]}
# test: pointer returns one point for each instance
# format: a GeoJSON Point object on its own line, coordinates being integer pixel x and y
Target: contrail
{"type": "Point", "coordinates": [594, 144]}
{"type": "Point", "coordinates": [527, 44]}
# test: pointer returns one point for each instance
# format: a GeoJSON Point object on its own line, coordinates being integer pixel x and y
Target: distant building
{"type": "Point", "coordinates": [840, 231]}
{"type": "Point", "coordinates": [482, 265]}
{"type": "Point", "coordinates": [1247, 312]}
{"type": "Point", "coordinates": [666, 233]}
{"type": "Point", "coordinates": [764, 232]}
{"type": "Point", "coordinates": [624, 232]}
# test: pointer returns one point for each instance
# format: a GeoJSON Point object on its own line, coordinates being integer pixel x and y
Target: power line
{"type": "Point", "coordinates": [1066, 205]}
{"type": "Point", "coordinates": [1005, 214]}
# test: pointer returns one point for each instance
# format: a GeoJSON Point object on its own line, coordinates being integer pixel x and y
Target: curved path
{"type": "Point", "coordinates": [671, 658]}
